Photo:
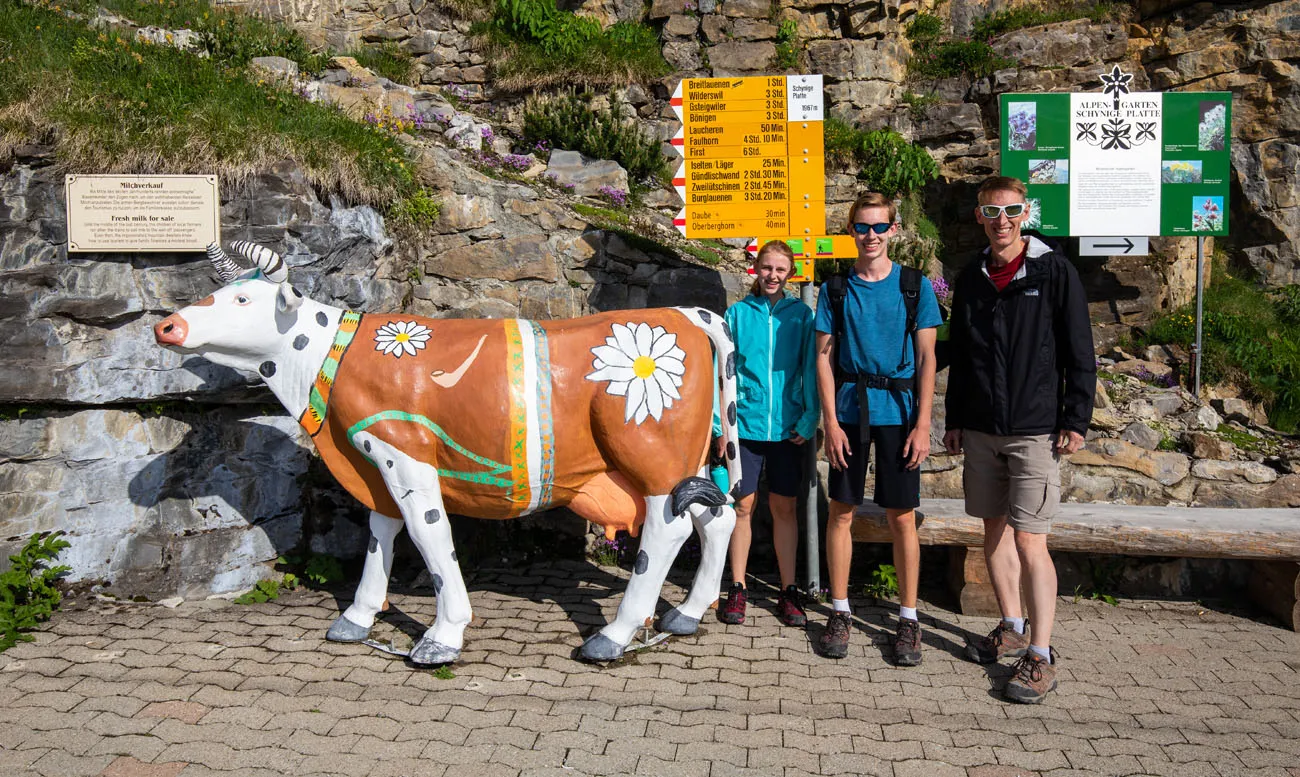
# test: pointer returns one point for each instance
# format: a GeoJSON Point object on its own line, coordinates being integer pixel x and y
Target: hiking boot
{"type": "Point", "coordinates": [907, 643]}
{"type": "Point", "coordinates": [732, 611]}
{"type": "Point", "coordinates": [788, 610]}
{"type": "Point", "coordinates": [1034, 678]}
{"type": "Point", "coordinates": [1002, 642]}
{"type": "Point", "coordinates": [834, 641]}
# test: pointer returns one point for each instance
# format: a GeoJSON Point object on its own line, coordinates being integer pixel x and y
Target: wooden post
{"type": "Point", "coordinates": [1275, 587]}
{"type": "Point", "coordinates": [968, 578]}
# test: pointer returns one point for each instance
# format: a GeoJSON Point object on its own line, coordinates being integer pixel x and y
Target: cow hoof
{"type": "Point", "coordinates": [599, 647]}
{"type": "Point", "coordinates": [431, 653]}
{"type": "Point", "coordinates": [344, 630]}
{"type": "Point", "coordinates": [674, 622]}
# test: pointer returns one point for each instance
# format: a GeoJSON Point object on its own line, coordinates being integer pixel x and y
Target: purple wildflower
{"type": "Point", "coordinates": [616, 196]}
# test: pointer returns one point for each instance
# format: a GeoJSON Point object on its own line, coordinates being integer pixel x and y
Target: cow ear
{"type": "Point", "coordinates": [287, 298]}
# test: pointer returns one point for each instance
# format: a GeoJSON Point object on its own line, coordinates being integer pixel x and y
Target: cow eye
{"type": "Point", "coordinates": [241, 299]}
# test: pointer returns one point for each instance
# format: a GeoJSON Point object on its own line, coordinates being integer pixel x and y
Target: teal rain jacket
{"type": "Point", "coordinates": [775, 368]}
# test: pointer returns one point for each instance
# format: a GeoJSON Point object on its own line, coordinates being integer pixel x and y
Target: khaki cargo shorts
{"type": "Point", "coordinates": [1019, 477]}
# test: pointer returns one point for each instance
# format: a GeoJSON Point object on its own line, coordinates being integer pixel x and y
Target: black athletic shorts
{"type": "Point", "coordinates": [897, 487]}
{"type": "Point", "coordinates": [784, 462]}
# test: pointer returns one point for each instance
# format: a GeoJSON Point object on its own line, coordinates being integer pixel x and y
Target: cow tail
{"type": "Point", "coordinates": [725, 388]}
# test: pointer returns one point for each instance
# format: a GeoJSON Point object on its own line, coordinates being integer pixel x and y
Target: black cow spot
{"type": "Point", "coordinates": [437, 584]}
{"type": "Point", "coordinates": [715, 511]}
{"type": "Point", "coordinates": [374, 543]}
{"type": "Point", "coordinates": [322, 319]}
{"type": "Point", "coordinates": [432, 516]}
{"type": "Point", "coordinates": [731, 414]}
{"type": "Point", "coordinates": [642, 562]}
{"type": "Point", "coordinates": [453, 556]}
{"type": "Point", "coordinates": [267, 369]}
{"type": "Point", "coordinates": [705, 316]}
{"type": "Point", "coordinates": [295, 291]}
{"type": "Point", "coordinates": [731, 365]}
{"type": "Point", "coordinates": [366, 444]}
{"type": "Point", "coordinates": [300, 342]}
{"type": "Point", "coordinates": [389, 463]}
{"type": "Point", "coordinates": [726, 330]}
{"type": "Point", "coordinates": [731, 450]}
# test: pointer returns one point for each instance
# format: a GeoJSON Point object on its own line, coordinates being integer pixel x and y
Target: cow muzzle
{"type": "Point", "coordinates": [171, 331]}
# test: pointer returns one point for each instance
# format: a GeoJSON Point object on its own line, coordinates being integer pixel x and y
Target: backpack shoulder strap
{"type": "Point", "coordinates": [837, 286]}
{"type": "Point", "coordinates": [909, 284]}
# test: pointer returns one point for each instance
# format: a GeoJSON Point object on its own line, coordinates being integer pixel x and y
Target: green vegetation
{"type": "Point", "coordinates": [267, 590]}
{"type": "Point", "coordinates": [108, 102]}
{"type": "Point", "coordinates": [918, 104]}
{"type": "Point", "coordinates": [419, 210]}
{"type": "Point", "coordinates": [572, 122]}
{"type": "Point", "coordinates": [1019, 18]}
{"type": "Point", "coordinates": [937, 56]}
{"type": "Point", "coordinates": [444, 673]}
{"type": "Point", "coordinates": [704, 254]}
{"type": "Point", "coordinates": [388, 60]}
{"type": "Point", "coordinates": [887, 162]}
{"type": "Point", "coordinates": [28, 594]}
{"type": "Point", "coordinates": [534, 45]}
{"type": "Point", "coordinates": [1240, 438]}
{"type": "Point", "coordinates": [599, 216]}
{"type": "Point", "coordinates": [1251, 339]}
{"type": "Point", "coordinates": [318, 569]}
{"type": "Point", "coordinates": [787, 46]}
{"type": "Point", "coordinates": [883, 584]}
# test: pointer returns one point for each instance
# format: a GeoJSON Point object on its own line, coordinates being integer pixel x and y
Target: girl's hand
{"type": "Point", "coordinates": [798, 439]}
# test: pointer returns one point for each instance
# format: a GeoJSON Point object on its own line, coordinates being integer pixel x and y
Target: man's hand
{"type": "Point", "coordinates": [837, 446]}
{"type": "Point", "coordinates": [952, 441]}
{"type": "Point", "coordinates": [917, 447]}
{"type": "Point", "coordinates": [1068, 442]}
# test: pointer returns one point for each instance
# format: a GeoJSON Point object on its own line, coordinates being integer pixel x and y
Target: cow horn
{"type": "Point", "coordinates": [226, 268]}
{"type": "Point", "coordinates": [266, 260]}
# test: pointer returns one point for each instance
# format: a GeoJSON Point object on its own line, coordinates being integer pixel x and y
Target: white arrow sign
{"type": "Point", "coordinates": [1113, 246]}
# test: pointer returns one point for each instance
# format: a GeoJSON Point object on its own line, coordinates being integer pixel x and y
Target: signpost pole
{"type": "Point", "coordinates": [811, 540]}
{"type": "Point", "coordinates": [1200, 292]}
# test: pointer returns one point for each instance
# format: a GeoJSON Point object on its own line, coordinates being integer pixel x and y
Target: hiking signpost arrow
{"type": "Point", "coordinates": [1113, 246]}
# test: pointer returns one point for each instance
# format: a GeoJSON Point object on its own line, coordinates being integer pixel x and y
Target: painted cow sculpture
{"type": "Point", "coordinates": [609, 415]}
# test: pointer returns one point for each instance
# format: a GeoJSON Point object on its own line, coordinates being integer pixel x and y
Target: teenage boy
{"type": "Point", "coordinates": [875, 378]}
{"type": "Point", "coordinates": [1020, 396]}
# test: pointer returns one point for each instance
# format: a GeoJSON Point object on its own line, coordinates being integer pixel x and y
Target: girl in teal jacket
{"type": "Point", "coordinates": [777, 411]}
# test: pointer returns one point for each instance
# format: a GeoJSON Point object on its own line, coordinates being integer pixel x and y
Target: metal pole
{"type": "Point", "coordinates": [1200, 293]}
{"type": "Point", "coordinates": [811, 540]}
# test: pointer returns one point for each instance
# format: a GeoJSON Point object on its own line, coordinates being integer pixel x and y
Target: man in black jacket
{"type": "Point", "coordinates": [1020, 395]}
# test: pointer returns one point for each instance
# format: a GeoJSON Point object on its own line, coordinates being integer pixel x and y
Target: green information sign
{"type": "Point", "coordinates": [1119, 163]}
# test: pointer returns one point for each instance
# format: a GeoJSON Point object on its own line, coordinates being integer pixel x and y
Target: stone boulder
{"type": "Point", "coordinates": [586, 176]}
{"type": "Point", "coordinates": [1166, 468]}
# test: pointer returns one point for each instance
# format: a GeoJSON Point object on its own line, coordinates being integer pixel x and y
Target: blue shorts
{"type": "Point", "coordinates": [784, 462]}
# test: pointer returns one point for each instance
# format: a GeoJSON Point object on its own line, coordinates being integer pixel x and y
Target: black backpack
{"type": "Point", "coordinates": [837, 286]}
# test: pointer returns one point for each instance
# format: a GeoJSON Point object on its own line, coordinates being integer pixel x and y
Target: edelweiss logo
{"type": "Point", "coordinates": [1116, 132]}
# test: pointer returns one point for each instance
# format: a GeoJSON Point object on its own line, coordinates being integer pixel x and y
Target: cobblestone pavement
{"type": "Point", "coordinates": [141, 689]}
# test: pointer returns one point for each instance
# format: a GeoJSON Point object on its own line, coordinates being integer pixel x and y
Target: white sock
{"type": "Point", "coordinates": [1016, 623]}
{"type": "Point", "coordinates": [907, 613]}
{"type": "Point", "coordinates": [1042, 652]}
{"type": "Point", "coordinates": [840, 605]}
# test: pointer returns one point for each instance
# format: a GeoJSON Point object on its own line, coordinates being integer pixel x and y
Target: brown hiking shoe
{"type": "Point", "coordinates": [1035, 677]}
{"type": "Point", "coordinates": [1002, 642]}
{"type": "Point", "coordinates": [788, 610]}
{"type": "Point", "coordinates": [834, 641]}
{"type": "Point", "coordinates": [907, 643]}
{"type": "Point", "coordinates": [732, 611]}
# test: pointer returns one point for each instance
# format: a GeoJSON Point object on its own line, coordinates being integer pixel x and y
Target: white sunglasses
{"type": "Point", "coordinates": [993, 211]}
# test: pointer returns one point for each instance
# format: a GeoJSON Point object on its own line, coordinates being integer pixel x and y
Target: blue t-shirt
{"type": "Point", "coordinates": [874, 319]}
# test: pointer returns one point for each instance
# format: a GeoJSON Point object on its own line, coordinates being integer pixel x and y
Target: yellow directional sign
{"type": "Point", "coordinates": [754, 156]}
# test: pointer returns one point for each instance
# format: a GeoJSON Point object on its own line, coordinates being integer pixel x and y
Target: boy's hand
{"type": "Point", "coordinates": [917, 447]}
{"type": "Point", "coordinates": [837, 446]}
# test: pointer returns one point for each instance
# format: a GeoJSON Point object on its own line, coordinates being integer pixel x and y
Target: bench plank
{"type": "Point", "coordinates": [1134, 530]}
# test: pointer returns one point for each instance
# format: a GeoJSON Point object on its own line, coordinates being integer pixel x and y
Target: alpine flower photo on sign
{"type": "Point", "coordinates": [1022, 126]}
{"type": "Point", "coordinates": [642, 364]}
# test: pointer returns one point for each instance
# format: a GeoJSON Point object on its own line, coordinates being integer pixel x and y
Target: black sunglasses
{"type": "Point", "coordinates": [862, 227]}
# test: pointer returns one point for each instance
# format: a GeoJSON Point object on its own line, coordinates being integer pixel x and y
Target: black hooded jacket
{"type": "Point", "coordinates": [1022, 359]}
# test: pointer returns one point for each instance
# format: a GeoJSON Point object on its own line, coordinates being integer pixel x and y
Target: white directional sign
{"type": "Point", "coordinates": [1113, 246]}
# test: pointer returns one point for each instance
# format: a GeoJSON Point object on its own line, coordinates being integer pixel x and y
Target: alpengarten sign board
{"type": "Point", "coordinates": [1120, 162]}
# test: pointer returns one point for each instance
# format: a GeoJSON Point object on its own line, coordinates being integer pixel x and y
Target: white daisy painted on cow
{"type": "Point", "coordinates": [642, 364]}
{"type": "Point", "coordinates": [399, 337]}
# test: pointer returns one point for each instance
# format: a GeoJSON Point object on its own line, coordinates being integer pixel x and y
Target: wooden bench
{"type": "Point", "coordinates": [1269, 537]}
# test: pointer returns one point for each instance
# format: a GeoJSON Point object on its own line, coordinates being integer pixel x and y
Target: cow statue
{"type": "Point", "coordinates": [609, 415]}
